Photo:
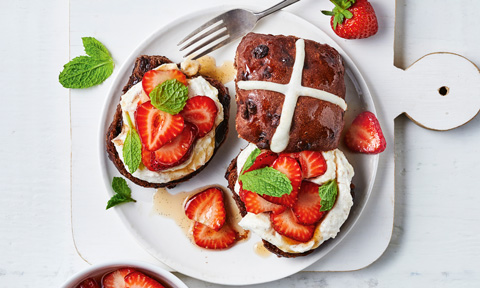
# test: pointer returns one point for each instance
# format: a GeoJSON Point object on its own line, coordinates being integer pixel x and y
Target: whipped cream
{"type": "Point", "coordinates": [292, 91]}
{"type": "Point", "coordinates": [337, 167]}
{"type": "Point", "coordinates": [204, 147]}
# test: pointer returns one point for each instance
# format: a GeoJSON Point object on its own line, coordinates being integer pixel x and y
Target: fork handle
{"type": "Point", "coordinates": [275, 8]}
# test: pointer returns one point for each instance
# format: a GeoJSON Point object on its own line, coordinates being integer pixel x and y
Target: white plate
{"type": "Point", "coordinates": [160, 236]}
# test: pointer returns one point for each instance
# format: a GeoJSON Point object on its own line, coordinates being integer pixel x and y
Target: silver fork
{"type": "Point", "coordinates": [226, 27]}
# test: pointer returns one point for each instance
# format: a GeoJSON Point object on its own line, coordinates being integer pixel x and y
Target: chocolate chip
{"type": "Point", "coordinates": [262, 142]}
{"type": "Point", "coordinates": [245, 75]}
{"type": "Point", "coordinates": [252, 107]}
{"type": "Point", "coordinates": [267, 73]}
{"type": "Point", "coordinates": [244, 112]}
{"type": "Point", "coordinates": [275, 120]}
{"type": "Point", "coordinates": [287, 60]}
{"type": "Point", "coordinates": [260, 51]}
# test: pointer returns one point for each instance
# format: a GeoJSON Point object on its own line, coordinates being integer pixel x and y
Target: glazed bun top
{"type": "Point", "coordinates": [312, 122]}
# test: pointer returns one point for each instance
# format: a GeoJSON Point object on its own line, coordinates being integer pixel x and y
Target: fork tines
{"type": "Point", "coordinates": [215, 32]}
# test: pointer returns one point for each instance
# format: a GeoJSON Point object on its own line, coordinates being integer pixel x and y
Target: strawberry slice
{"type": "Point", "coordinates": [313, 163]}
{"type": "Point", "coordinates": [156, 127]}
{"type": "Point", "coordinates": [116, 279]}
{"type": "Point", "coordinates": [172, 153]}
{"type": "Point", "coordinates": [286, 224]}
{"type": "Point", "coordinates": [307, 207]}
{"type": "Point", "coordinates": [264, 159]}
{"type": "Point", "coordinates": [254, 203]}
{"type": "Point", "coordinates": [208, 208]}
{"type": "Point", "coordinates": [140, 280]}
{"type": "Point", "coordinates": [201, 111]}
{"type": "Point", "coordinates": [88, 283]}
{"type": "Point", "coordinates": [365, 134]}
{"type": "Point", "coordinates": [153, 78]}
{"type": "Point", "coordinates": [291, 168]}
{"type": "Point", "coordinates": [208, 238]}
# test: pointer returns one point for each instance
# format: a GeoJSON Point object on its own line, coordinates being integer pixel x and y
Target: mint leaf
{"type": "Point", "coordinates": [170, 96]}
{"type": "Point", "coordinates": [328, 194]}
{"type": "Point", "coordinates": [250, 159]}
{"type": "Point", "coordinates": [132, 148]}
{"type": "Point", "coordinates": [123, 193]}
{"type": "Point", "coordinates": [85, 71]}
{"type": "Point", "coordinates": [95, 49]}
{"type": "Point", "coordinates": [88, 71]}
{"type": "Point", "coordinates": [266, 181]}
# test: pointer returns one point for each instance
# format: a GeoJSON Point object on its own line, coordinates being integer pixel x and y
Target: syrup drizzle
{"type": "Point", "coordinates": [292, 91]}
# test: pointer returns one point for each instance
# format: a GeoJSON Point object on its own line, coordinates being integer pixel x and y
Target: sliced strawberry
{"type": "Point", "coordinates": [153, 78]}
{"type": "Point", "coordinates": [88, 283]}
{"type": "Point", "coordinates": [264, 159]}
{"type": "Point", "coordinates": [201, 111]}
{"type": "Point", "coordinates": [313, 163]}
{"type": "Point", "coordinates": [208, 238]}
{"type": "Point", "coordinates": [286, 224]}
{"type": "Point", "coordinates": [291, 168]}
{"type": "Point", "coordinates": [365, 134]}
{"type": "Point", "coordinates": [116, 279]}
{"type": "Point", "coordinates": [156, 127]}
{"type": "Point", "coordinates": [254, 203]}
{"type": "Point", "coordinates": [172, 153]}
{"type": "Point", "coordinates": [140, 280]}
{"type": "Point", "coordinates": [208, 208]}
{"type": "Point", "coordinates": [307, 207]}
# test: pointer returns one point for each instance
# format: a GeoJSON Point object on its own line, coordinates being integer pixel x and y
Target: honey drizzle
{"type": "Point", "coordinates": [224, 73]}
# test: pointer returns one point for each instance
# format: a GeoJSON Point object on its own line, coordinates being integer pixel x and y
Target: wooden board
{"type": "Point", "coordinates": [99, 235]}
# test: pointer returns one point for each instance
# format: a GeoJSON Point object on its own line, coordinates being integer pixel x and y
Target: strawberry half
{"type": "Point", "coordinates": [201, 111]}
{"type": "Point", "coordinates": [208, 208]}
{"type": "Point", "coordinates": [153, 78]}
{"type": "Point", "coordinates": [172, 153]}
{"type": "Point", "coordinates": [88, 283]}
{"type": "Point", "coordinates": [254, 203]}
{"type": "Point", "coordinates": [365, 134]}
{"type": "Point", "coordinates": [307, 207]}
{"type": "Point", "coordinates": [264, 159]}
{"type": "Point", "coordinates": [140, 280]}
{"type": "Point", "coordinates": [286, 224]}
{"type": "Point", "coordinates": [116, 279]}
{"type": "Point", "coordinates": [312, 163]}
{"type": "Point", "coordinates": [208, 238]}
{"type": "Point", "coordinates": [291, 168]}
{"type": "Point", "coordinates": [156, 127]}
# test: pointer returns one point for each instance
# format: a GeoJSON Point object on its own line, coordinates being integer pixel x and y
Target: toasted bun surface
{"type": "Point", "coordinates": [143, 64]}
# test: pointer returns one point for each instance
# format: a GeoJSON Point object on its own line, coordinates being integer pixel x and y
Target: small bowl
{"type": "Point", "coordinates": [97, 271]}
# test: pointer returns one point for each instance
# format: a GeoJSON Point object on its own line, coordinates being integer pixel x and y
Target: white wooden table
{"type": "Point", "coordinates": [435, 240]}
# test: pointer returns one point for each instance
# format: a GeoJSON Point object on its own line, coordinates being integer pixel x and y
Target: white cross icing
{"type": "Point", "coordinates": [292, 91]}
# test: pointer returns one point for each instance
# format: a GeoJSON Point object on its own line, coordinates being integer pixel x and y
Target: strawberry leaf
{"type": "Point", "coordinates": [328, 194]}
{"type": "Point", "coordinates": [266, 181]}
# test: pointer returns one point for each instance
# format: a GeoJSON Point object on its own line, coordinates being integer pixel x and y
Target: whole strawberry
{"type": "Point", "coordinates": [353, 19]}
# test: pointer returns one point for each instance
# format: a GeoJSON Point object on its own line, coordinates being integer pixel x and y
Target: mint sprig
{"type": "Point", "coordinates": [132, 148]}
{"type": "Point", "coordinates": [123, 193]}
{"type": "Point", "coordinates": [328, 193]}
{"type": "Point", "coordinates": [250, 159]}
{"type": "Point", "coordinates": [88, 71]}
{"type": "Point", "coordinates": [170, 96]}
{"type": "Point", "coordinates": [266, 181]}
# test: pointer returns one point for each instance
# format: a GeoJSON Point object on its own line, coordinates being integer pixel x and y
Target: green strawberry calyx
{"type": "Point", "coordinates": [340, 11]}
